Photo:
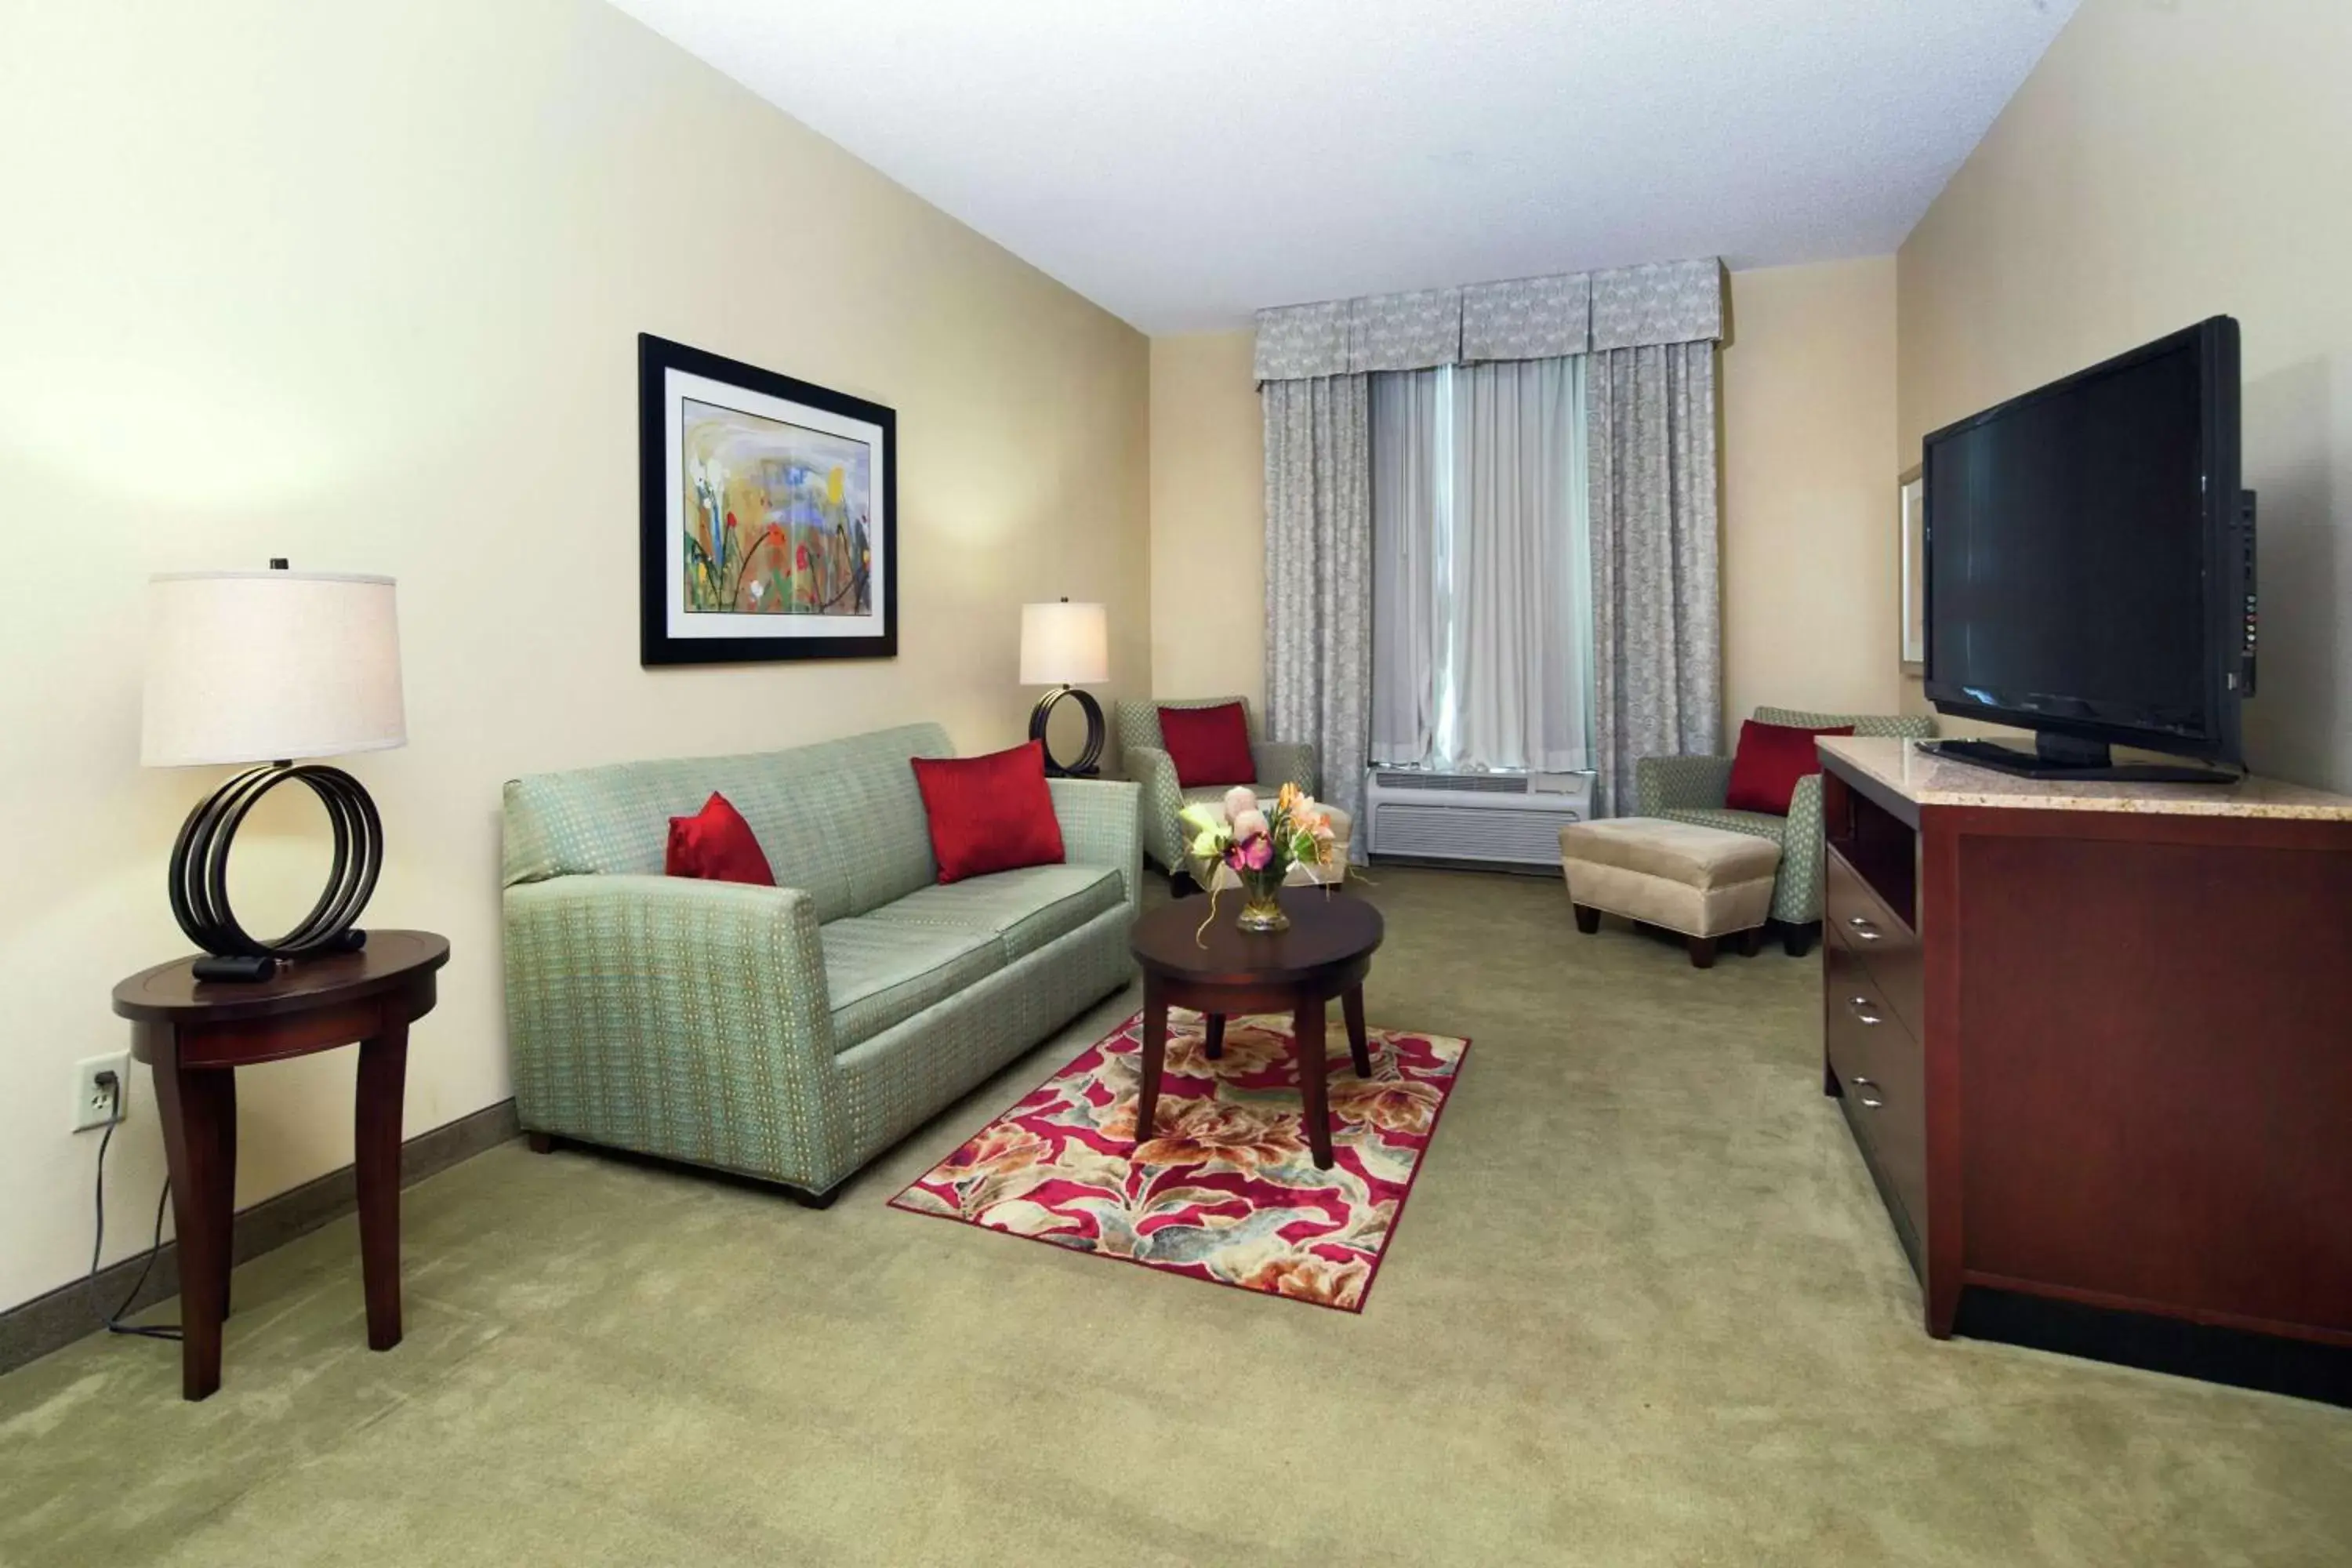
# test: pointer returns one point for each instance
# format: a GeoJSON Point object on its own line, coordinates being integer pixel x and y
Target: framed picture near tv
{"type": "Point", "coordinates": [768, 514]}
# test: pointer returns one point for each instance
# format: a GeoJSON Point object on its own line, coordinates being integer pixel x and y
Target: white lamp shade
{"type": "Point", "coordinates": [1063, 645]}
{"type": "Point", "coordinates": [258, 667]}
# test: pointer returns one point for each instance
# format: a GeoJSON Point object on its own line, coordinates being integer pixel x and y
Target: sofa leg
{"type": "Point", "coordinates": [1798, 940]}
{"type": "Point", "coordinates": [1702, 952]}
{"type": "Point", "coordinates": [541, 1143]}
{"type": "Point", "coordinates": [1587, 918]}
{"type": "Point", "coordinates": [809, 1200]}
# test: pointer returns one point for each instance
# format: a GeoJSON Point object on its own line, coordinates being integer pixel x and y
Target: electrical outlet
{"type": "Point", "coordinates": [95, 1105]}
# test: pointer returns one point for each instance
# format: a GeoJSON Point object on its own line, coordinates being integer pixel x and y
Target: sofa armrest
{"type": "Point", "coordinates": [1102, 824]}
{"type": "Point", "coordinates": [670, 1015]}
{"type": "Point", "coordinates": [1154, 771]}
{"type": "Point", "coordinates": [1670, 784]}
{"type": "Point", "coordinates": [1287, 761]}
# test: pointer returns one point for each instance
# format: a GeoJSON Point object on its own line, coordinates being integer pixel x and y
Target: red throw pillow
{"type": "Point", "coordinates": [1770, 760]}
{"type": "Point", "coordinates": [1210, 745]}
{"type": "Point", "coordinates": [716, 845]}
{"type": "Point", "coordinates": [989, 814]}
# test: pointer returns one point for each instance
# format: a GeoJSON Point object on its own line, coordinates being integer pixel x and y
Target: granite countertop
{"type": "Point", "coordinates": [1931, 780]}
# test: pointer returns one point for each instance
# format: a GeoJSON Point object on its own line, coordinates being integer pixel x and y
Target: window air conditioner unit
{"type": "Point", "coordinates": [1508, 820]}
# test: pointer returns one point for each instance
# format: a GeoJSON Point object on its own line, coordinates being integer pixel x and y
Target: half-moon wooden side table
{"type": "Point", "coordinates": [1220, 970]}
{"type": "Point", "coordinates": [195, 1033]}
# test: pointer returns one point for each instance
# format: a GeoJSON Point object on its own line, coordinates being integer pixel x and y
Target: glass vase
{"type": "Point", "coordinates": [1262, 902]}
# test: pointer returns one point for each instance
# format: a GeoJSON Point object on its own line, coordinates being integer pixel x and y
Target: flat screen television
{"type": "Point", "coordinates": [2089, 565]}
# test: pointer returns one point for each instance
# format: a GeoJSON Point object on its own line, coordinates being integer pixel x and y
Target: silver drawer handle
{"type": "Point", "coordinates": [1872, 1104]}
{"type": "Point", "coordinates": [1859, 1007]}
{"type": "Point", "coordinates": [1862, 1083]}
{"type": "Point", "coordinates": [1863, 928]}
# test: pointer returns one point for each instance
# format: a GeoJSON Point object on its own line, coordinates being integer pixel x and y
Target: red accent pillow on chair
{"type": "Point", "coordinates": [989, 814]}
{"type": "Point", "coordinates": [1770, 760]}
{"type": "Point", "coordinates": [1209, 745]}
{"type": "Point", "coordinates": [715, 845]}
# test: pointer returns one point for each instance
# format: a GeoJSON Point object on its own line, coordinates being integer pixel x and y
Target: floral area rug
{"type": "Point", "coordinates": [1226, 1190]}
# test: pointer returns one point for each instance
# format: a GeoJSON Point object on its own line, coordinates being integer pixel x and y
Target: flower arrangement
{"type": "Point", "coordinates": [1258, 846]}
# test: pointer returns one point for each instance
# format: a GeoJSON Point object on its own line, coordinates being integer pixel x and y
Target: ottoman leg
{"type": "Point", "coordinates": [1702, 952]}
{"type": "Point", "coordinates": [1587, 918]}
{"type": "Point", "coordinates": [1751, 941]}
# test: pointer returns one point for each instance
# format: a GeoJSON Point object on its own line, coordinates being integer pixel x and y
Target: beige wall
{"type": "Point", "coordinates": [1208, 518]}
{"type": "Point", "coordinates": [1811, 616]}
{"type": "Point", "coordinates": [2166, 162]}
{"type": "Point", "coordinates": [361, 286]}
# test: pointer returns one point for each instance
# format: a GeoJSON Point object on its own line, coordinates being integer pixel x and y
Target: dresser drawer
{"type": "Point", "coordinates": [1884, 942]}
{"type": "Point", "coordinates": [1888, 1088]}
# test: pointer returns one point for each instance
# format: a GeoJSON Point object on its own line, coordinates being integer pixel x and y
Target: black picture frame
{"type": "Point", "coordinates": [658, 439]}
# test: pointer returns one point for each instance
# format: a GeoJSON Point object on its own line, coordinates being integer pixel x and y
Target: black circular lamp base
{"type": "Point", "coordinates": [1087, 764]}
{"type": "Point", "coordinates": [200, 873]}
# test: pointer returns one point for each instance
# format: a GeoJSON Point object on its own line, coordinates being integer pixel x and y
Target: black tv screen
{"type": "Point", "coordinates": [2081, 542]}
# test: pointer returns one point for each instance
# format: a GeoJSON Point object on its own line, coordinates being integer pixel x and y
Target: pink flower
{"type": "Point", "coordinates": [1238, 799]}
{"type": "Point", "coordinates": [1257, 854]}
{"type": "Point", "coordinates": [1250, 824]}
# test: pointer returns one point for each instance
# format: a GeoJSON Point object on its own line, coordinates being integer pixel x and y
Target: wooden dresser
{"type": "Point", "coordinates": [2094, 1042]}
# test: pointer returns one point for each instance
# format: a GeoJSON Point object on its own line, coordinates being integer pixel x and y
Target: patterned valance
{"type": "Point", "coordinates": [1523, 318]}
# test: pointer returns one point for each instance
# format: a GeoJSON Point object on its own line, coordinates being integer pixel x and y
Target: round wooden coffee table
{"type": "Point", "coordinates": [1326, 953]}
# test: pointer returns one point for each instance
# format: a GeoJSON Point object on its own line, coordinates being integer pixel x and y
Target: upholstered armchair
{"type": "Point", "coordinates": [1147, 761]}
{"type": "Point", "coordinates": [1691, 789]}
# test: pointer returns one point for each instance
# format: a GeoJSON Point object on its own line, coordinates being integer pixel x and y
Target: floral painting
{"type": "Point", "coordinates": [767, 513]}
{"type": "Point", "coordinates": [779, 515]}
{"type": "Point", "coordinates": [1225, 1189]}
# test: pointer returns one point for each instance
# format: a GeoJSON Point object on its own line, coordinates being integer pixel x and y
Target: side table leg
{"type": "Point", "coordinates": [222, 1084]}
{"type": "Point", "coordinates": [383, 1067]}
{"type": "Point", "coordinates": [1155, 1052]}
{"type": "Point", "coordinates": [1314, 1067]}
{"type": "Point", "coordinates": [191, 1102]}
{"type": "Point", "coordinates": [1352, 1007]}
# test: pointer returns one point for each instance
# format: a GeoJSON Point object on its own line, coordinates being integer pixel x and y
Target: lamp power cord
{"type": "Point", "coordinates": [113, 1321]}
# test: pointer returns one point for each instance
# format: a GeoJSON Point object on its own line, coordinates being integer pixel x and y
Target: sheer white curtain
{"type": "Point", "coordinates": [1520, 666]}
{"type": "Point", "coordinates": [1482, 633]}
{"type": "Point", "coordinates": [1411, 436]}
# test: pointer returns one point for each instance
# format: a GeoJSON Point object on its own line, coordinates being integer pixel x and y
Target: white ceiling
{"type": "Point", "coordinates": [1185, 161]}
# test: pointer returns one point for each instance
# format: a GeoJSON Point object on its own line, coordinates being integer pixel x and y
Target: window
{"type": "Point", "coordinates": [1482, 584]}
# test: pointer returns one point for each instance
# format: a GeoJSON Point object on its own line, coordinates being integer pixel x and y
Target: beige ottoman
{"type": "Point", "coordinates": [1309, 876]}
{"type": "Point", "coordinates": [1704, 882]}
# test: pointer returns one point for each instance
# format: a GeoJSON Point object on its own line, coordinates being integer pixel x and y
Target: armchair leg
{"type": "Point", "coordinates": [1181, 885]}
{"type": "Point", "coordinates": [1798, 940]}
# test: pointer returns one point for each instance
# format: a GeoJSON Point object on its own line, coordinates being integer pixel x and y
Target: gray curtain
{"type": "Point", "coordinates": [1649, 423]}
{"type": "Point", "coordinates": [1319, 577]}
{"type": "Point", "coordinates": [1410, 489]}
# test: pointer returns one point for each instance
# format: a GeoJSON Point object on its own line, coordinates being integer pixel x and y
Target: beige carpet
{"type": "Point", "coordinates": [1644, 1309]}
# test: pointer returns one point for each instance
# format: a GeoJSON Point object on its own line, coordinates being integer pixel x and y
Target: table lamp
{"type": "Point", "coordinates": [263, 666]}
{"type": "Point", "coordinates": [1063, 646]}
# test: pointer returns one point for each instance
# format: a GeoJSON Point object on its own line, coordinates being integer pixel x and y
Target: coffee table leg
{"type": "Point", "coordinates": [1155, 1051]}
{"type": "Point", "coordinates": [1359, 1044]}
{"type": "Point", "coordinates": [1216, 1035]}
{"type": "Point", "coordinates": [1313, 1068]}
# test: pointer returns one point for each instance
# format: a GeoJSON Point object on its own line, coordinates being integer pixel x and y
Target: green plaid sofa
{"type": "Point", "coordinates": [788, 1033]}
{"type": "Point", "coordinates": [1147, 761]}
{"type": "Point", "coordinates": [1691, 789]}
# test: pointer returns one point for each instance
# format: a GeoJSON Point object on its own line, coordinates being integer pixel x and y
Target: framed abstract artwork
{"type": "Point", "coordinates": [768, 511]}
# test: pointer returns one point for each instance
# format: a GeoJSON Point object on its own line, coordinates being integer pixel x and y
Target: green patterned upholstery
{"type": "Point", "coordinates": [789, 1033]}
{"type": "Point", "coordinates": [1691, 789]}
{"type": "Point", "coordinates": [1147, 761]}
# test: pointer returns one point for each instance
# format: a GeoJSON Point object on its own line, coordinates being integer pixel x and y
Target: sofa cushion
{"type": "Point", "coordinates": [1022, 909]}
{"type": "Point", "coordinates": [840, 820]}
{"type": "Point", "coordinates": [881, 973]}
{"type": "Point", "coordinates": [989, 814]}
{"type": "Point", "coordinates": [715, 845]}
